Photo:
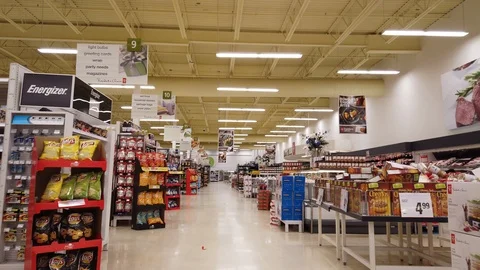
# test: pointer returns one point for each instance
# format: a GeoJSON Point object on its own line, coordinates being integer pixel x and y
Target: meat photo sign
{"type": "Point", "coordinates": [461, 95]}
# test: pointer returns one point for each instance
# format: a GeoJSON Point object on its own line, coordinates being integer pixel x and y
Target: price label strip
{"type": "Point", "coordinates": [416, 205]}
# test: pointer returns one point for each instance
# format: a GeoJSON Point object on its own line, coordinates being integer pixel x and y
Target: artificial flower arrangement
{"type": "Point", "coordinates": [315, 142]}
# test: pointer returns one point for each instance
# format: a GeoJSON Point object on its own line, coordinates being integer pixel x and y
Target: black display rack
{"type": "Point", "coordinates": [138, 209]}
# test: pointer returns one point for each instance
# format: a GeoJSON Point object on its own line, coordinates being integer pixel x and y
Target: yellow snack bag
{"type": "Point", "coordinates": [51, 150]}
{"type": "Point", "coordinates": [54, 186]}
{"type": "Point", "coordinates": [87, 149]}
{"type": "Point", "coordinates": [69, 147]}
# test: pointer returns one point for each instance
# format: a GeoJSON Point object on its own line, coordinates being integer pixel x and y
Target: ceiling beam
{"type": "Point", "coordinates": [191, 63]}
{"type": "Point", "coordinates": [204, 111]}
{"type": "Point", "coordinates": [63, 17]}
{"type": "Point", "coordinates": [369, 8]}
{"type": "Point", "coordinates": [13, 56]}
{"type": "Point", "coordinates": [122, 18]}
{"type": "Point", "coordinates": [182, 114]}
{"type": "Point", "coordinates": [231, 67]}
{"type": "Point", "coordinates": [297, 19]}
{"type": "Point", "coordinates": [238, 19]}
{"type": "Point", "coordinates": [181, 23]}
{"type": "Point", "coordinates": [338, 19]}
{"type": "Point", "coordinates": [19, 5]}
{"type": "Point", "coordinates": [132, 13]}
{"type": "Point", "coordinates": [399, 14]}
{"type": "Point", "coordinates": [79, 12]}
{"type": "Point", "coordinates": [16, 25]}
{"type": "Point", "coordinates": [411, 23]}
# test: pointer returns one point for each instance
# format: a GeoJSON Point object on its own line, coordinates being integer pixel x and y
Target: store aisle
{"type": "Point", "coordinates": [234, 233]}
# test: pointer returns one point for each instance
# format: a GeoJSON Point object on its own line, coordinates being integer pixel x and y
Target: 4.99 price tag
{"type": "Point", "coordinates": [416, 205]}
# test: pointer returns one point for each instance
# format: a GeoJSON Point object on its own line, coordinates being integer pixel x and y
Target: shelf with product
{"type": "Point", "coordinates": [66, 200]}
{"type": "Point", "coordinates": [191, 181]}
{"type": "Point", "coordinates": [172, 193]}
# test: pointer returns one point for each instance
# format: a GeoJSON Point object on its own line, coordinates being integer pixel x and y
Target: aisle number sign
{"type": "Point", "coordinates": [416, 205]}
{"type": "Point", "coordinates": [167, 94]}
{"type": "Point", "coordinates": [134, 44]}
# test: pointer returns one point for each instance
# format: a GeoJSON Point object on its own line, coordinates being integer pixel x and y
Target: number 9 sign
{"type": "Point", "coordinates": [134, 45]}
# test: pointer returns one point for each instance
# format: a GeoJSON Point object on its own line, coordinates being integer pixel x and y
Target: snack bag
{"type": "Point", "coordinates": [41, 231]}
{"type": "Point", "coordinates": [148, 198]}
{"type": "Point", "coordinates": [66, 193]}
{"type": "Point", "coordinates": [88, 221]}
{"type": "Point", "coordinates": [144, 179]}
{"type": "Point", "coordinates": [152, 179]}
{"type": "Point", "coordinates": [71, 260]}
{"type": "Point", "coordinates": [141, 198]}
{"type": "Point", "coordinates": [86, 260]}
{"type": "Point", "coordinates": [160, 196]}
{"type": "Point", "coordinates": [142, 218]}
{"type": "Point", "coordinates": [51, 150]}
{"type": "Point", "coordinates": [155, 198]}
{"type": "Point", "coordinates": [95, 188]}
{"type": "Point", "coordinates": [54, 186]}
{"type": "Point", "coordinates": [57, 262]}
{"type": "Point", "coordinates": [69, 147]}
{"type": "Point", "coordinates": [160, 179]}
{"type": "Point", "coordinates": [74, 227]}
{"type": "Point", "coordinates": [87, 149]}
{"type": "Point", "coordinates": [42, 261]}
{"type": "Point", "coordinates": [81, 188]}
{"type": "Point", "coordinates": [156, 215]}
{"type": "Point", "coordinates": [55, 226]}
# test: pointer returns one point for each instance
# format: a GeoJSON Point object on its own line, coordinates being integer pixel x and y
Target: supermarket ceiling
{"type": "Point", "coordinates": [184, 36]}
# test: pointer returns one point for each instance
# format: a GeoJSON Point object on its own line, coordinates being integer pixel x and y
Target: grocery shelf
{"type": "Point", "coordinates": [41, 206]}
{"type": "Point", "coordinates": [172, 196]}
{"type": "Point", "coordinates": [173, 185]}
{"type": "Point", "coordinates": [55, 247]}
{"type": "Point", "coordinates": [88, 135]}
{"type": "Point", "coordinates": [155, 169]}
{"type": "Point", "coordinates": [63, 163]}
{"type": "Point", "coordinates": [175, 172]}
{"type": "Point", "coordinates": [174, 208]}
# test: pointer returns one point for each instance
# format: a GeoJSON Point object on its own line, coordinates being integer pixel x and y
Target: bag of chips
{"type": "Point", "coordinates": [71, 260]}
{"type": "Point", "coordinates": [68, 187]}
{"type": "Point", "coordinates": [148, 198]}
{"type": "Point", "coordinates": [51, 150]}
{"type": "Point", "coordinates": [73, 225]}
{"type": "Point", "coordinates": [69, 147]}
{"type": "Point", "coordinates": [54, 186]}
{"type": "Point", "coordinates": [95, 187]}
{"type": "Point", "coordinates": [81, 187]}
{"type": "Point", "coordinates": [141, 198]}
{"type": "Point", "coordinates": [156, 215]}
{"type": "Point", "coordinates": [144, 179]}
{"type": "Point", "coordinates": [57, 262]}
{"type": "Point", "coordinates": [87, 261]}
{"type": "Point", "coordinates": [42, 261]}
{"type": "Point", "coordinates": [87, 149]}
{"type": "Point", "coordinates": [152, 179]}
{"type": "Point", "coordinates": [88, 221]}
{"type": "Point", "coordinates": [55, 226]}
{"type": "Point", "coordinates": [142, 218]}
{"type": "Point", "coordinates": [41, 231]}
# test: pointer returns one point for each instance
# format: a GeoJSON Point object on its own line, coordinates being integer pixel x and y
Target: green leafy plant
{"type": "Point", "coordinates": [472, 79]}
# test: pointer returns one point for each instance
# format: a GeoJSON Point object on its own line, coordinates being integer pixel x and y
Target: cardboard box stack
{"type": "Point", "coordinates": [263, 200]}
{"type": "Point", "coordinates": [292, 196]}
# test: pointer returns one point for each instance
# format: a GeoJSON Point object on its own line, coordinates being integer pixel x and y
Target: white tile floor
{"type": "Point", "coordinates": [235, 234]}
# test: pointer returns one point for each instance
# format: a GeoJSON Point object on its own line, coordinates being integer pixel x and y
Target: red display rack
{"type": "Point", "coordinates": [191, 179]}
{"type": "Point", "coordinates": [175, 198]}
{"type": "Point", "coordinates": [43, 167]}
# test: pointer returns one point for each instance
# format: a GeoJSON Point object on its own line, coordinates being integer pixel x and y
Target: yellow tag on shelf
{"type": "Point", "coordinates": [373, 185]}
{"type": "Point", "coordinates": [440, 186]}
{"type": "Point", "coordinates": [419, 186]}
{"type": "Point", "coordinates": [397, 185]}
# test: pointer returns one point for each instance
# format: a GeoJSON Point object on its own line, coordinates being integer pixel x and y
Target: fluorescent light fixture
{"type": "Point", "coordinates": [158, 120]}
{"type": "Point", "coordinates": [313, 110]}
{"type": "Point", "coordinates": [289, 126]}
{"type": "Point", "coordinates": [113, 86]}
{"type": "Point", "coordinates": [157, 127]}
{"type": "Point", "coordinates": [238, 139]}
{"type": "Point", "coordinates": [58, 50]}
{"type": "Point", "coordinates": [235, 128]}
{"type": "Point", "coordinates": [149, 87]}
{"type": "Point", "coordinates": [162, 133]}
{"type": "Point", "coordinates": [265, 142]}
{"type": "Point", "coordinates": [240, 135]}
{"type": "Point", "coordinates": [236, 121]}
{"type": "Point", "coordinates": [242, 89]}
{"type": "Point", "coordinates": [276, 135]}
{"type": "Point", "coordinates": [126, 107]}
{"type": "Point", "coordinates": [237, 143]}
{"type": "Point", "coordinates": [3, 79]}
{"type": "Point", "coordinates": [368, 72]}
{"type": "Point", "coordinates": [283, 131]}
{"type": "Point", "coordinates": [421, 33]}
{"type": "Point", "coordinates": [259, 55]}
{"type": "Point", "coordinates": [259, 145]}
{"type": "Point", "coordinates": [242, 109]}
{"type": "Point", "coordinates": [300, 119]}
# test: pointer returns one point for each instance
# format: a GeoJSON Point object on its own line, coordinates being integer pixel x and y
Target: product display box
{"type": "Point", "coordinates": [465, 251]}
{"type": "Point", "coordinates": [464, 207]}
{"type": "Point", "coordinates": [378, 198]}
{"type": "Point", "coordinates": [398, 173]}
{"type": "Point", "coordinates": [398, 188]}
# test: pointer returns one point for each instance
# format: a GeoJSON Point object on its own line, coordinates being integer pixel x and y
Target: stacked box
{"type": "Point", "coordinates": [298, 197]}
{"type": "Point", "coordinates": [287, 198]}
{"type": "Point", "coordinates": [263, 200]}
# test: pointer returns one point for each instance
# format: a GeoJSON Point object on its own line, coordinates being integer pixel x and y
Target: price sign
{"type": "Point", "coordinates": [416, 205]}
{"type": "Point", "coordinates": [167, 95]}
{"type": "Point", "coordinates": [134, 45]}
{"type": "Point", "coordinates": [344, 200]}
{"type": "Point", "coordinates": [320, 196]}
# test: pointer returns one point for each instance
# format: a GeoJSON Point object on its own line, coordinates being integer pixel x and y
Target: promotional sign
{"type": "Point", "coordinates": [172, 133]}
{"type": "Point", "coordinates": [47, 90]}
{"type": "Point", "coordinates": [222, 157]}
{"type": "Point", "coordinates": [195, 143]}
{"type": "Point", "coordinates": [185, 146]}
{"type": "Point", "coordinates": [167, 107]}
{"type": "Point", "coordinates": [225, 140]}
{"type": "Point", "coordinates": [90, 101]}
{"type": "Point", "coordinates": [321, 192]}
{"type": "Point", "coordinates": [112, 64]}
{"type": "Point", "coordinates": [344, 199]}
{"type": "Point", "coordinates": [186, 135]}
{"type": "Point", "coordinates": [269, 156]}
{"type": "Point", "coordinates": [144, 106]}
{"type": "Point", "coordinates": [352, 114]}
{"type": "Point", "coordinates": [416, 204]}
{"type": "Point", "coordinates": [461, 95]}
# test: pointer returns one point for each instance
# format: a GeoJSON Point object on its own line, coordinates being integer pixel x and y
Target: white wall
{"type": "Point", "coordinates": [233, 159]}
{"type": "Point", "coordinates": [412, 107]}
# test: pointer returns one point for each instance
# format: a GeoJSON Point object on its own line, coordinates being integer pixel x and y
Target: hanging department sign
{"type": "Point", "coordinates": [225, 140]}
{"type": "Point", "coordinates": [112, 64]}
{"type": "Point", "coordinates": [144, 106]}
{"type": "Point", "coordinates": [352, 114]}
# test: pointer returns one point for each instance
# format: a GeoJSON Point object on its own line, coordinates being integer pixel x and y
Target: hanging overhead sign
{"type": "Point", "coordinates": [352, 114]}
{"type": "Point", "coordinates": [222, 157]}
{"type": "Point", "coordinates": [172, 133]}
{"type": "Point", "coordinates": [167, 107]}
{"type": "Point", "coordinates": [112, 64]}
{"type": "Point", "coordinates": [47, 90]}
{"type": "Point", "coordinates": [225, 140]}
{"type": "Point", "coordinates": [144, 106]}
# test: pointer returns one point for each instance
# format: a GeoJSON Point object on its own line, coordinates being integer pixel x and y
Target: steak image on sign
{"type": "Point", "coordinates": [47, 90]}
